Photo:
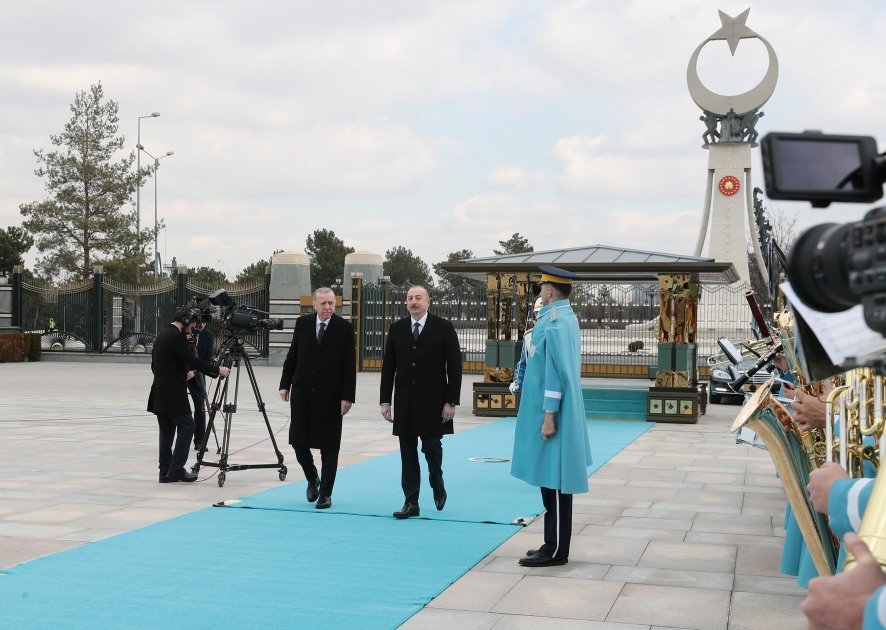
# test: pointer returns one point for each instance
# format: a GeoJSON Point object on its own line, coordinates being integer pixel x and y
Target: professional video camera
{"type": "Point", "coordinates": [241, 319]}
{"type": "Point", "coordinates": [833, 267]}
{"type": "Point", "coordinates": [206, 310]}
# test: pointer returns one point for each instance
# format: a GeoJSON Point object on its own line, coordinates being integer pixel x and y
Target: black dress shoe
{"type": "Point", "coordinates": [181, 475]}
{"type": "Point", "coordinates": [532, 552]}
{"type": "Point", "coordinates": [313, 490]}
{"type": "Point", "coordinates": [541, 560]}
{"type": "Point", "coordinates": [164, 478]}
{"type": "Point", "coordinates": [324, 503]}
{"type": "Point", "coordinates": [440, 500]}
{"type": "Point", "coordinates": [408, 509]}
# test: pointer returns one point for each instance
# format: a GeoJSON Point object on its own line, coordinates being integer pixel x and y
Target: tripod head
{"type": "Point", "coordinates": [230, 351]}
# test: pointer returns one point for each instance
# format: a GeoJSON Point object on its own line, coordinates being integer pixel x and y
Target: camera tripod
{"type": "Point", "coordinates": [232, 354]}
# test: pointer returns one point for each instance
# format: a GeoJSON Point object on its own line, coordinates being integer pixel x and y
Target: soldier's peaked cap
{"type": "Point", "coordinates": [556, 275]}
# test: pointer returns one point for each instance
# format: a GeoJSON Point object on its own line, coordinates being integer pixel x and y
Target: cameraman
{"type": "Point", "coordinates": [171, 358]}
{"type": "Point", "coordinates": [205, 348]}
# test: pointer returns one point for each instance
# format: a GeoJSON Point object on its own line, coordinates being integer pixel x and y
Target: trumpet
{"type": "Point", "coordinates": [751, 347]}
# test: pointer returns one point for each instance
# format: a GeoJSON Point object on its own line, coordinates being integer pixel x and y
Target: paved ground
{"type": "Point", "coordinates": [680, 530]}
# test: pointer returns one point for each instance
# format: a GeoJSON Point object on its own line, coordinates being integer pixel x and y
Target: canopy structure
{"type": "Point", "coordinates": [509, 278]}
{"type": "Point", "coordinates": [600, 263]}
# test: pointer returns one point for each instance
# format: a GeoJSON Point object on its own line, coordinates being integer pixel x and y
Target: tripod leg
{"type": "Point", "coordinates": [221, 393]}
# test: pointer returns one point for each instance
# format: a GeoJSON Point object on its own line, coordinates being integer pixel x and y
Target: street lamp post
{"type": "Point", "coordinates": [138, 167]}
{"type": "Point", "coordinates": [156, 166]}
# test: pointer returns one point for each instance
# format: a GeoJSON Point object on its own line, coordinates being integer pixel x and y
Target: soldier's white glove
{"type": "Point", "coordinates": [513, 387]}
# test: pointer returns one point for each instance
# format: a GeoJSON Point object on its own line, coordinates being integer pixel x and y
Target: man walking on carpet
{"type": "Point", "coordinates": [423, 359]}
{"type": "Point", "coordinates": [551, 445]}
{"type": "Point", "coordinates": [320, 369]}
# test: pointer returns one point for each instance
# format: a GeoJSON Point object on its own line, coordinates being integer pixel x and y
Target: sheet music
{"type": "Point", "coordinates": [842, 335]}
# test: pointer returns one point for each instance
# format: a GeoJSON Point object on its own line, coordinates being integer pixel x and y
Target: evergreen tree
{"type": "Point", "coordinates": [405, 267]}
{"type": "Point", "coordinates": [515, 245]}
{"type": "Point", "coordinates": [14, 244]}
{"type": "Point", "coordinates": [85, 220]}
{"type": "Point", "coordinates": [327, 253]}
{"type": "Point", "coordinates": [255, 271]}
{"type": "Point", "coordinates": [207, 277]}
{"type": "Point", "coordinates": [452, 280]}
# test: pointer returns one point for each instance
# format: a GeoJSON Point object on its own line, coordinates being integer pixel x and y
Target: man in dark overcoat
{"type": "Point", "coordinates": [422, 368]}
{"type": "Point", "coordinates": [321, 372]}
{"type": "Point", "coordinates": [205, 347]}
{"type": "Point", "coordinates": [172, 359]}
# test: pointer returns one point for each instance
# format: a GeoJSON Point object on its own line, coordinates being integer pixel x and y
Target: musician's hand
{"type": "Point", "coordinates": [809, 411]}
{"type": "Point", "coordinates": [191, 374]}
{"type": "Point", "coordinates": [224, 371]}
{"type": "Point", "coordinates": [780, 362]}
{"type": "Point", "coordinates": [820, 481]}
{"type": "Point", "coordinates": [284, 395]}
{"type": "Point", "coordinates": [837, 602]}
{"type": "Point", "coordinates": [345, 407]}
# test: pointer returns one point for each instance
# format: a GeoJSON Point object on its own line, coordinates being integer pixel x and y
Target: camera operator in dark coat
{"type": "Point", "coordinates": [423, 360]}
{"type": "Point", "coordinates": [171, 359]}
{"type": "Point", "coordinates": [320, 370]}
{"type": "Point", "coordinates": [199, 393]}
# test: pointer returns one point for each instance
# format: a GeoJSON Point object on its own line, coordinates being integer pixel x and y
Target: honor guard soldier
{"type": "Point", "coordinates": [551, 445]}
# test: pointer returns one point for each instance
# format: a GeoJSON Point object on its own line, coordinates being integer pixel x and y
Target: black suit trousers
{"type": "Point", "coordinates": [328, 463]}
{"type": "Point", "coordinates": [170, 424]}
{"type": "Point", "coordinates": [410, 479]}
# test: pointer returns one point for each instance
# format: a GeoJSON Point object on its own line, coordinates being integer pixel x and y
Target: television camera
{"type": "Point", "coordinates": [241, 319]}
{"type": "Point", "coordinates": [833, 267]}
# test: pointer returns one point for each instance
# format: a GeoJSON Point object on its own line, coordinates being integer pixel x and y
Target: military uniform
{"type": "Point", "coordinates": [557, 465]}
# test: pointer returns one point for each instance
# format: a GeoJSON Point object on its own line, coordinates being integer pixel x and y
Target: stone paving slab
{"type": "Point", "coordinates": [681, 530]}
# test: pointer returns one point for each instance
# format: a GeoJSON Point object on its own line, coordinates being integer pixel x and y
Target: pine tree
{"type": "Point", "coordinates": [88, 217]}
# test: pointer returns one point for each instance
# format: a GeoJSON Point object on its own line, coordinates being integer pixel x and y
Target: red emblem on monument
{"type": "Point", "coordinates": [729, 185]}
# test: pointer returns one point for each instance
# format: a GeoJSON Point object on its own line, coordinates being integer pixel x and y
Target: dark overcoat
{"type": "Point", "coordinates": [423, 375]}
{"type": "Point", "coordinates": [320, 376]}
{"type": "Point", "coordinates": [171, 358]}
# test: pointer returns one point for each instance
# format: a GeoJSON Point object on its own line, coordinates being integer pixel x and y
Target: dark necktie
{"type": "Point", "coordinates": [415, 331]}
{"type": "Point", "coordinates": [321, 332]}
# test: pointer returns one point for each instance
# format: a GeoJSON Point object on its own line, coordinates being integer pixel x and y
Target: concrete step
{"type": "Point", "coordinates": [615, 403]}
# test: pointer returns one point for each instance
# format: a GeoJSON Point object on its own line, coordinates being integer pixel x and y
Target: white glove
{"type": "Point", "coordinates": [513, 387]}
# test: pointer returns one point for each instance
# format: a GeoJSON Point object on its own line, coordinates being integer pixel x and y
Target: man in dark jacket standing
{"type": "Point", "coordinates": [171, 359]}
{"type": "Point", "coordinates": [320, 370]}
{"type": "Point", "coordinates": [422, 367]}
{"type": "Point", "coordinates": [197, 385]}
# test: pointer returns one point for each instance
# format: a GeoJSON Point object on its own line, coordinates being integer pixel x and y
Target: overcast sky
{"type": "Point", "coordinates": [436, 125]}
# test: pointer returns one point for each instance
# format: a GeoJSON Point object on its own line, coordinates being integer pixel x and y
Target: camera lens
{"type": "Point", "coordinates": [818, 267]}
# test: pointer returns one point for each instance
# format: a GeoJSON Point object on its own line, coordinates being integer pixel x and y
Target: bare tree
{"type": "Point", "coordinates": [783, 227]}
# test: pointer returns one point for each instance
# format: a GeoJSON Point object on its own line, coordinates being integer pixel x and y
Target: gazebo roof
{"type": "Point", "coordinates": [600, 263]}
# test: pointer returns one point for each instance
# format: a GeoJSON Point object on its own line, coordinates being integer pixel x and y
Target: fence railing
{"type": "Point", "coordinates": [619, 325]}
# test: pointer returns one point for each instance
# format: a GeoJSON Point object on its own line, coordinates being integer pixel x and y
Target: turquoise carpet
{"type": "Point", "coordinates": [479, 490]}
{"type": "Point", "coordinates": [284, 568]}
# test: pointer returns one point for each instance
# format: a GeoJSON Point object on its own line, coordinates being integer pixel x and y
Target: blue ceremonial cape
{"type": "Point", "coordinates": [552, 382]}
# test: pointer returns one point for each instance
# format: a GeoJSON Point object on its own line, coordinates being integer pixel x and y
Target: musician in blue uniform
{"type": "Point", "coordinates": [551, 445]}
{"type": "Point", "coordinates": [856, 598]}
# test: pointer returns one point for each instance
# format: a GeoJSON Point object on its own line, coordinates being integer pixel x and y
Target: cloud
{"type": "Point", "coordinates": [588, 167]}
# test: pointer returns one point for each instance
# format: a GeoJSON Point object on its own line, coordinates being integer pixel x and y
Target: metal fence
{"type": "Point", "coordinates": [101, 315]}
{"type": "Point", "coordinates": [619, 322]}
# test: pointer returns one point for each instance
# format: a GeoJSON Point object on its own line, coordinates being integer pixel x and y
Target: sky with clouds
{"type": "Point", "coordinates": [437, 126]}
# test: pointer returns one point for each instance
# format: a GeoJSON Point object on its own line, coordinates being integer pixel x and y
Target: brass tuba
{"type": "Point", "coordinates": [873, 524]}
{"type": "Point", "coordinates": [764, 415]}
